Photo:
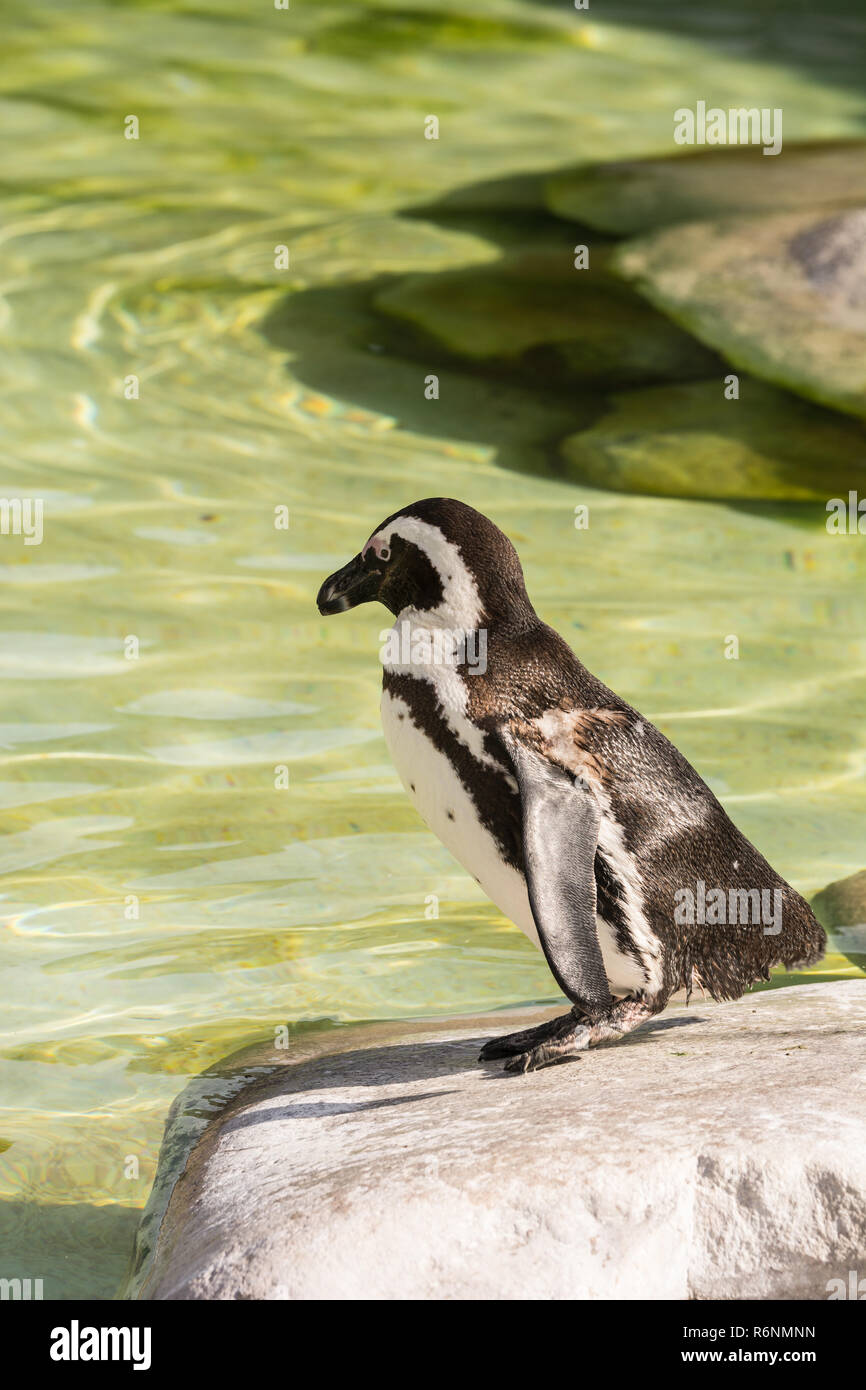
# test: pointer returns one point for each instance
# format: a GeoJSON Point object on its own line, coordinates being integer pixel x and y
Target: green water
{"type": "Point", "coordinates": [153, 776]}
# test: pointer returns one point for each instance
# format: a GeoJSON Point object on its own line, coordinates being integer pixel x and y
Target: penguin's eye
{"type": "Point", "coordinates": [385, 553]}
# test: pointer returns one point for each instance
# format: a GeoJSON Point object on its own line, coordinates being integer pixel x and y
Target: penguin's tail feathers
{"type": "Point", "coordinates": [804, 942]}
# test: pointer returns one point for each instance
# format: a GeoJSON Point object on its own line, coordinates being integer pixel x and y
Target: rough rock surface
{"type": "Point", "coordinates": [638, 195]}
{"type": "Point", "coordinates": [841, 907]}
{"type": "Point", "coordinates": [782, 296]}
{"type": "Point", "coordinates": [720, 1152]}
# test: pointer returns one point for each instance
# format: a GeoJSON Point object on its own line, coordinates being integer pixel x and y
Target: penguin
{"type": "Point", "coordinates": [580, 820]}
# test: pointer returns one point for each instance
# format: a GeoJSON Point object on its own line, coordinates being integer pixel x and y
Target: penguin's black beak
{"type": "Point", "coordinates": [357, 582]}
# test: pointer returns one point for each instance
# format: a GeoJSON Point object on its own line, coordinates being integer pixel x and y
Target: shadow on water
{"type": "Point", "coordinates": [518, 407]}
{"type": "Point", "coordinates": [83, 1248]}
{"type": "Point", "coordinates": [342, 346]}
{"type": "Point", "coordinates": [519, 411]}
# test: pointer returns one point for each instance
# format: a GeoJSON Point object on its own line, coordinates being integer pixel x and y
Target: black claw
{"type": "Point", "coordinates": [519, 1065]}
{"type": "Point", "coordinates": [539, 1058]}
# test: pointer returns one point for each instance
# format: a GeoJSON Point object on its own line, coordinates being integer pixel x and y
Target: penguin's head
{"type": "Point", "coordinates": [439, 558]}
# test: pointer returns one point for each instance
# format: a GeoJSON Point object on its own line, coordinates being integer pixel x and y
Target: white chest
{"type": "Point", "coordinates": [447, 809]}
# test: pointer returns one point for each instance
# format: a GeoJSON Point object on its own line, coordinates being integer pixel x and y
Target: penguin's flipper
{"type": "Point", "coordinates": [561, 819]}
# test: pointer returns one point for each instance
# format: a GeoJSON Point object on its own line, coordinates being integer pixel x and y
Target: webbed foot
{"type": "Point", "coordinates": [517, 1045]}
{"type": "Point", "coordinates": [567, 1036]}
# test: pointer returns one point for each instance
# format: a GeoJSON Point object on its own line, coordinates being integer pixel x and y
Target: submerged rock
{"type": "Point", "coordinates": [631, 196]}
{"type": "Point", "coordinates": [783, 297]}
{"type": "Point", "coordinates": [689, 441]}
{"type": "Point", "coordinates": [534, 310]}
{"type": "Point", "coordinates": [710, 1155]}
{"type": "Point", "coordinates": [841, 908]}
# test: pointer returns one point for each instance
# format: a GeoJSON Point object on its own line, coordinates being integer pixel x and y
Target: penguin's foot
{"type": "Point", "coordinates": [572, 1037]}
{"type": "Point", "coordinates": [567, 1036]}
{"type": "Point", "coordinates": [530, 1040]}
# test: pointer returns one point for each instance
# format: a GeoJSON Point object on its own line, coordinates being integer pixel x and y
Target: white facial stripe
{"type": "Point", "coordinates": [378, 546]}
{"type": "Point", "coordinates": [459, 612]}
{"type": "Point", "coordinates": [460, 607]}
